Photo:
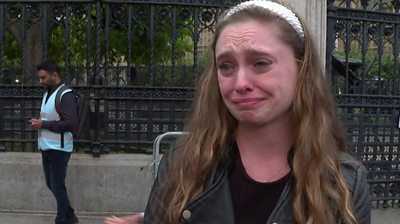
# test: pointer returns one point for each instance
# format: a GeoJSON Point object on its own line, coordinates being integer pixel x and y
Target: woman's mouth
{"type": "Point", "coordinates": [247, 103]}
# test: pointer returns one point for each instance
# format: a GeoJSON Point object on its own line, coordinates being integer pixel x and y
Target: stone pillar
{"type": "Point", "coordinates": [313, 12]}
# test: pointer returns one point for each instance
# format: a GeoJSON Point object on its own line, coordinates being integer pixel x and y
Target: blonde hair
{"type": "Point", "coordinates": [320, 193]}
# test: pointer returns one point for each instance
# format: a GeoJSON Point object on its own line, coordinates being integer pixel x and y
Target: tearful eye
{"type": "Point", "coordinates": [225, 68]}
{"type": "Point", "coordinates": [262, 66]}
{"type": "Point", "coordinates": [262, 63]}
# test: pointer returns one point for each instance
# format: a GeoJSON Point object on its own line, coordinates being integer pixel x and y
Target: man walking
{"type": "Point", "coordinates": [55, 140]}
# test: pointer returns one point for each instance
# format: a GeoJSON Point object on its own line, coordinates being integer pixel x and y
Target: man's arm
{"type": "Point", "coordinates": [68, 115]}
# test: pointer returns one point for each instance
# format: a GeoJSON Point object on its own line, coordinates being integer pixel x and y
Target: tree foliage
{"type": "Point", "coordinates": [72, 36]}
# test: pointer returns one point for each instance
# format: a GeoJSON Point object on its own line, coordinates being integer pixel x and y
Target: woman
{"type": "Point", "coordinates": [265, 144]}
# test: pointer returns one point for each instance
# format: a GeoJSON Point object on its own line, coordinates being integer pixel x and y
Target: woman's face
{"type": "Point", "coordinates": [257, 72]}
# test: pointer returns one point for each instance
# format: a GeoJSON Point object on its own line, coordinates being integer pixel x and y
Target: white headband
{"type": "Point", "coordinates": [276, 8]}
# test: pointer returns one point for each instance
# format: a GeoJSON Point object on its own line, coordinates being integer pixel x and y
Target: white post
{"type": "Point", "coordinates": [314, 13]}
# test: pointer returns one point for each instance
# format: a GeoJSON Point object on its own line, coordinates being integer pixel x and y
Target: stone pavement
{"type": "Point", "coordinates": [46, 218]}
{"type": "Point", "coordinates": [379, 216]}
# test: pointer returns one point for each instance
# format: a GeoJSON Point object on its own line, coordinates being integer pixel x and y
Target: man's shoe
{"type": "Point", "coordinates": [72, 220]}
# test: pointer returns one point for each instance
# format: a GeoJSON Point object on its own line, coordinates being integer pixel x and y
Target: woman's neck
{"type": "Point", "coordinates": [264, 150]}
{"type": "Point", "coordinates": [274, 137]}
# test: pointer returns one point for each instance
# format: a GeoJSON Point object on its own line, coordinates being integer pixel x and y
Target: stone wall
{"type": "Point", "coordinates": [110, 183]}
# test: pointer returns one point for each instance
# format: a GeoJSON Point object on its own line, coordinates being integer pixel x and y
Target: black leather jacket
{"type": "Point", "coordinates": [214, 205]}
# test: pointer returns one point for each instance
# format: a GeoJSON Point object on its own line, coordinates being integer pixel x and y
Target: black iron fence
{"type": "Point", "coordinates": [363, 43]}
{"type": "Point", "coordinates": [138, 60]}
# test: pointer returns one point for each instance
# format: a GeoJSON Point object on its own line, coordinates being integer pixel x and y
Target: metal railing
{"type": "Point", "coordinates": [157, 146]}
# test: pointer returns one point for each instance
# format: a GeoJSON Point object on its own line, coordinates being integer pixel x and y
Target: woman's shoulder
{"type": "Point", "coordinates": [352, 170]}
{"type": "Point", "coordinates": [348, 161]}
{"type": "Point", "coordinates": [355, 174]}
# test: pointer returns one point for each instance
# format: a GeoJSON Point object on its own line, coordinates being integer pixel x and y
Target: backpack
{"type": "Point", "coordinates": [83, 110]}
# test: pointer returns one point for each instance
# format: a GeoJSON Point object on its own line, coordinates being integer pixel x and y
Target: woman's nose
{"type": "Point", "coordinates": [243, 81]}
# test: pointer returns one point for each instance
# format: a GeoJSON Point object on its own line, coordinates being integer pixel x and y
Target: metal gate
{"type": "Point", "coordinates": [363, 43]}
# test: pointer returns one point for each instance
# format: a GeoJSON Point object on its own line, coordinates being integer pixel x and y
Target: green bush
{"type": "Point", "coordinates": [375, 66]}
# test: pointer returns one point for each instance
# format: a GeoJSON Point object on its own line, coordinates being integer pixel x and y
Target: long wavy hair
{"type": "Point", "coordinates": [320, 193]}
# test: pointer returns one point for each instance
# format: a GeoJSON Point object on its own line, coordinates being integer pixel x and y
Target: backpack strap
{"type": "Point", "coordinates": [57, 105]}
{"type": "Point", "coordinates": [58, 97]}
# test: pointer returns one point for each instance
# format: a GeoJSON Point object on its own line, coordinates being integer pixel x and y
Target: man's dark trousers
{"type": "Point", "coordinates": [55, 163]}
